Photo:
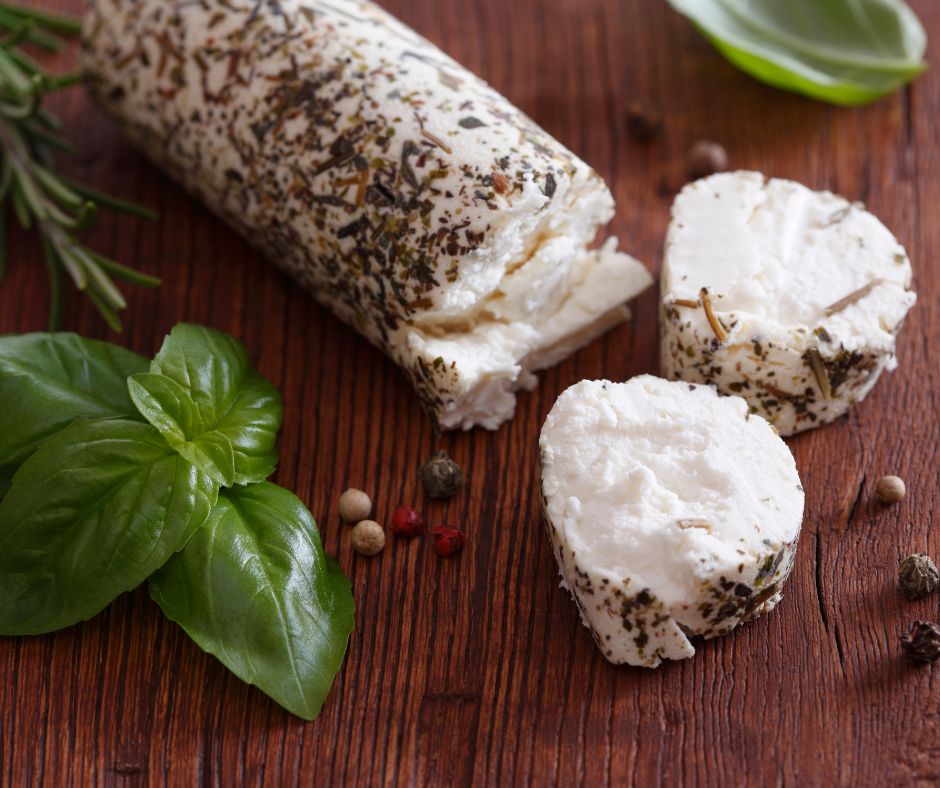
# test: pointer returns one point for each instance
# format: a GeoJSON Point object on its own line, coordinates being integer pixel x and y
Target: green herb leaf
{"type": "Point", "coordinates": [229, 396]}
{"type": "Point", "coordinates": [49, 380]}
{"type": "Point", "coordinates": [254, 588]}
{"type": "Point", "coordinates": [212, 453]}
{"type": "Point", "coordinates": [92, 513]}
{"type": "Point", "coordinates": [168, 407]}
{"type": "Point", "coordinates": [838, 51]}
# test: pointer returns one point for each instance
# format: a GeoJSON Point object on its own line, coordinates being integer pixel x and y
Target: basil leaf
{"type": "Point", "coordinates": [49, 380]}
{"type": "Point", "coordinates": [170, 408]}
{"type": "Point", "coordinates": [251, 425]}
{"type": "Point", "coordinates": [212, 453]}
{"type": "Point", "coordinates": [838, 51]}
{"type": "Point", "coordinates": [166, 405]}
{"type": "Point", "coordinates": [229, 396]}
{"type": "Point", "coordinates": [92, 513]}
{"type": "Point", "coordinates": [254, 588]}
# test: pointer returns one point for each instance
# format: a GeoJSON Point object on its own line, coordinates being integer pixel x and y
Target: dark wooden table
{"type": "Point", "coordinates": [476, 669]}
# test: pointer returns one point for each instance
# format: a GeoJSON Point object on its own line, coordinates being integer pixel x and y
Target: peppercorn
{"type": "Point", "coordinates": [890, 489]}
{"type": "Point", "coordinates": [917, 576]}
{"type": "Point", "coordinates": [368, 537]}
{"type": "Point", "coordinates": [922, 643]}
{"type": "Point", "coordinates": [447, 539]}
{"type": "Point", "coordinates": [354, 505]}
{"type": "Point", "coordinates": [407, 522]}
{"type": "Point", "coordinates": [643, 120]}
{"type": "Point", "coordinates": [706, 158]}
{"type": "Point", "coordinates": [441, 476]}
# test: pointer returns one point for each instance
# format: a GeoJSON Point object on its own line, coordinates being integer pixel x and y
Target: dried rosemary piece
{"type": "Point", "coordinates": [40, 198]}
{"type": "Point", "coordinates": [818, 369]}
{"type": "Point", "coordinates": [713, 320]}
{"type": "Point", "coordinates": [694, 523]}
{"type": "Point", "coordinates": [851, 298]}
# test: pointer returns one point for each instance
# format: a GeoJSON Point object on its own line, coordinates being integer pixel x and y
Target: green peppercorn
{"type": "Point", "coordinates": [922, 642]}
{"type": "Point", "coordinates": [917, 576]}
{"type": "Point", "coordinates": [441, 476]}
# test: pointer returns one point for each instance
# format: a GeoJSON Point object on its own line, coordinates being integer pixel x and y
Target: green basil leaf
{"type": "Point", "coordinates": [49, 380]}
{"type": "Point", "coordinates": [251, 425]}
{"type": "Point", "coordinates": [212, 453]}
{"type": "Point", "coordinates": [838, 51]}
{"type": "Point", "coordinates": [254, 588]}
{"type": "Point", "coordinates": [169, 407]}
{"type": "Point", "coordinates": [166, 405]}
{"type": "Point", "coordinates": [93, 512]}
{"type": "Point", "coordinates": [229, 396]}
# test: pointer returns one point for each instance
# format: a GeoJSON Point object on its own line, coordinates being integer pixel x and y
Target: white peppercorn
{"type": "Point", "coordinates": [368, 537]}
{"type": "Point", "coordinates": [890, 489]}
{"type": "Point", "coordinates": [354, 505]}
{"type": "Point", "coordinates": [706, 158]}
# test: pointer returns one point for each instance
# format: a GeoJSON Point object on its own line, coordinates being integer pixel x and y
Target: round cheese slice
{"type": "Point", "coordinates": [673, 512]}
{"type": "Point", "coordinates": [787, 297]}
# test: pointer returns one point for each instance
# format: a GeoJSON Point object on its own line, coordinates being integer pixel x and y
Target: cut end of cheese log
{"type": "Point", "coordinates": [404, 193]}
{"type": "Point", "coordinates": [787, 297]}
{"type": "Point", "coordinates": [673, 512]}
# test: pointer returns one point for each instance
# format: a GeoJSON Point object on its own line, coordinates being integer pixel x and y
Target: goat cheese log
{"type": "Point", "coordinates": [409, 197]}
{"type": "Point", "coordinates": [672, 511]}
{"type": "Point", "coordinates": [787, 297]}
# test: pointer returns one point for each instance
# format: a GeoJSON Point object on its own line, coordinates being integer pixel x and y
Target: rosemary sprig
{"type": "Point", "coordinates": [41, 199]}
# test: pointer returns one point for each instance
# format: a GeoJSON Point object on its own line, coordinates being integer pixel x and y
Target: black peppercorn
{"type": "Point", "coordinates": [922, 643]}
{"type": "Point", "coordinates": [643, 120]}
{"type": "Point", "coordinates": [917, 576]}
{"type": "Point", "coordinates": [441, 476]}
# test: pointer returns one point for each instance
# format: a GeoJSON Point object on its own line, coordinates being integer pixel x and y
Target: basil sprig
{"type": "Point", "coordinates": [112, 472]}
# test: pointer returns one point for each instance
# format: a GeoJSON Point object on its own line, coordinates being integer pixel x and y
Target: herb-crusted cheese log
{"type": "Point", "coordinates": [788, 297]}
{"type": "Point", "coordinates": [672, 511]}
{"type": "Point", "coordinates": [409, 197]}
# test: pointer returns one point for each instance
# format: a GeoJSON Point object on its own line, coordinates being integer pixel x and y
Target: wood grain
{"type": "Point", "coordinates": [476, 669]}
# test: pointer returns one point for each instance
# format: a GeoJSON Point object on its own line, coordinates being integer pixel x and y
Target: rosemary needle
{"type": "Point", "coordinates": [42, 200]}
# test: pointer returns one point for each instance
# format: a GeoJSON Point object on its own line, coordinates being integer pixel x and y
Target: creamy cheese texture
{"type": "Point", "coordinates": [409, 197]}
{"type": "Point", "coordinates": [806, 294]}
{"type": "Point", "coordinates": [673, 512]}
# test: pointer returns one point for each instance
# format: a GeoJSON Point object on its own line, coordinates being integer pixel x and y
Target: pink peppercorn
{"type": "Point", "coordinates": [447, 539]}
{"type": "Point", "coordinates": [407, 522]}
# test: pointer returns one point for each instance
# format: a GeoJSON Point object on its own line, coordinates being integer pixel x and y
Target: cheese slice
{"type": "Point", "coordinates": [672, 511]}
{"type": "Point", "coordinates": [787, 297]}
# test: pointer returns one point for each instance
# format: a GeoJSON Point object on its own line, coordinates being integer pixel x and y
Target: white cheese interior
{"type": "Point", "coordinates": [777, 254]}
{"type": "Point", "coordinates": [568, 296]}
{"type": "Point", "coordinates": [663, 486]}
